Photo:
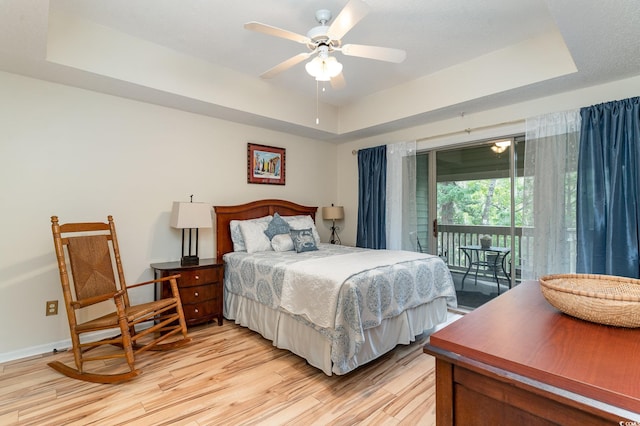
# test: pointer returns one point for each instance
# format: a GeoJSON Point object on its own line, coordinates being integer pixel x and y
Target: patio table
{"type": "Point", "coordinates": [489, 258]}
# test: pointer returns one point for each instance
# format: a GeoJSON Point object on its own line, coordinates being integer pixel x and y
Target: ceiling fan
{"type": "Point", "coordinates": [325, 39]}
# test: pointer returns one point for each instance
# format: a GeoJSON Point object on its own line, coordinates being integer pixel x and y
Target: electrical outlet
{"type": "Point", "coordinates": [52, 307]}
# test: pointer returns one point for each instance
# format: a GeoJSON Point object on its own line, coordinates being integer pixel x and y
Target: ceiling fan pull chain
{"type": "Point", "coordinates": [317, 102]}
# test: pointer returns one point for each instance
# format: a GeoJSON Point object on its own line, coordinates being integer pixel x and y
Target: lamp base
{"type": "Point", "coordinates": [335, 239]}
{"type": "Point", "coordinates": [189, 260]}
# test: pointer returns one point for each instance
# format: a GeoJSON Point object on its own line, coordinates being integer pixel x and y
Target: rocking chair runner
{"type": "Point", "coordinates": [89, 253]}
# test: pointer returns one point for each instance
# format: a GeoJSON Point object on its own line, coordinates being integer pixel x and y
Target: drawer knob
{"type": "Point", "coordinates": [197, 277]}
{"type": "Point", "coordinates": [196, 310]}
{"type": "Point", "coordinates": [196, 294]}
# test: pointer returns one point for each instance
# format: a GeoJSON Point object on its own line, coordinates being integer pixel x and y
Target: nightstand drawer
{"type": "Point", "coordinates": [199, 277]}
{"type": "Point", "coordinates": [200, 286]}
{"type": "Point", "coordinates": [194, 312]}
{"type": "Point", "coordinates": [198, 294]}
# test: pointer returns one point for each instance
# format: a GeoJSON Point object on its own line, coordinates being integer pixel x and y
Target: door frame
{"type": "Point", "coordinates": [432, 242]}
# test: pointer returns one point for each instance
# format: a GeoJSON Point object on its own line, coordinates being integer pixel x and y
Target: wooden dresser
{"type": "Point", "coordinates": [518, 360]}
{"type": "Point", "coordinates": [200, 286]}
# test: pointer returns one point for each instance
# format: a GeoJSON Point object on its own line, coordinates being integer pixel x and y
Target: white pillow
{"type": "Point", "coordinates": [236, 235]}
{"type": "Point", "coordinates": [303, 222]}
{"type": "Point", "coordinates": [255, 239]}
{"type": "Point", "coordinates": [282, 242]}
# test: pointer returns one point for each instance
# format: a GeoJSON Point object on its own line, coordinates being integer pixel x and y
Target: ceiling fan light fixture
{"type": "Point", "coordinates": [323, 69]}
{"type": "Point", "coordinates": [500, 146]}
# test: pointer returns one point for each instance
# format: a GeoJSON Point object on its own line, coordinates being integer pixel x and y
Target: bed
{"type": "Point", "coordinates": [336, 317]}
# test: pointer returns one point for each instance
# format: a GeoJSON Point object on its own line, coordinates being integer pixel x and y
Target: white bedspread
{"type": "Point", "coordinates": [321, 280]}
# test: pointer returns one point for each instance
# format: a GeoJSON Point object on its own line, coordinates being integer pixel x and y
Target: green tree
{"type": "Point", "coordinates": [478, 202]}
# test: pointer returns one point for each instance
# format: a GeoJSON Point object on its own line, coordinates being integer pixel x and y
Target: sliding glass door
{"type": "Point", "coordinates": [469, 213]}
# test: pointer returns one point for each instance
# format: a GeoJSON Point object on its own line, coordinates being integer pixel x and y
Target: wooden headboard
{"type": "Point", "coordinates": [252, 210]}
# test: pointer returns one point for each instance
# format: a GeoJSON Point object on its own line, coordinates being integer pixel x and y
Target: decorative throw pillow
{"type": "Point", "coordinates": [236, 235]}
{"type": "Point", "coordinates": [282, 242]}
{"type": "Point", "coordinates": [303, 222]}
{"type": "Point", "coordinates": [303, 240]}
{"type": "Point", "coordinates": [254, 238]}
{"type": "Point", "coordinates": [277, 226]}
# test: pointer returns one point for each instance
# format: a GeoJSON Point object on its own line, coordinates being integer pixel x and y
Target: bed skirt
{"type": "Point", "coordinates": [287, 333]}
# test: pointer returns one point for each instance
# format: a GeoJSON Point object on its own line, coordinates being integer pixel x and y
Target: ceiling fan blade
{"type": "Point", "coordinates": [283, 66]}
{"type": "Point", "coordinates": [348, 17]}
{"type": "Point", "coordinates": [338, 82]}
{"type": "Point", "coordinates": [276, 32]}
{"type": "Point", "coordinates": [374, 52]}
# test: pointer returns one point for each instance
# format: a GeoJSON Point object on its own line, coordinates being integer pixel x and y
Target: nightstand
{"type": "Point", "coordinates": [200, 288]}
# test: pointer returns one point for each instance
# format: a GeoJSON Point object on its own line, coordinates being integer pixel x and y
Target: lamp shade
{"type": "Point", "coordinates": [333, 213]}
{"type": "Point", "coordinates": [190, 215]}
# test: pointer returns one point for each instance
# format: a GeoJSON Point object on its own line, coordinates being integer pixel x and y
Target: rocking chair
{"type": "Point", "coordinates": [88, 255]}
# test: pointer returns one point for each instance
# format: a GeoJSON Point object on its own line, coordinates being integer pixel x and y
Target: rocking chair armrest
{"type": "Point", "coordinates": [97, 299]}
{"type": "Point", "coordinates": [159, 280]}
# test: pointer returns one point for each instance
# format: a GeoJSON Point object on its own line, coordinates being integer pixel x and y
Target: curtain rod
{"type": "Point", "coordinates": [468, 131]}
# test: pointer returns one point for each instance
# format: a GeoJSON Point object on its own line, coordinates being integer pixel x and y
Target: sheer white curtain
{"type": "Point", "coordinates": [549, 210]}
{"type": "Point", "coordinates": [401, 211]}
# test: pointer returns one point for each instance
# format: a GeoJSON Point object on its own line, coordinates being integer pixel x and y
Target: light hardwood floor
{"type": "Point", "coordinates": [228, 375]}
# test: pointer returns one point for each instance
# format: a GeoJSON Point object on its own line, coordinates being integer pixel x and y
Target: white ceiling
{"type": "Point", "coordinates": [602, 39]}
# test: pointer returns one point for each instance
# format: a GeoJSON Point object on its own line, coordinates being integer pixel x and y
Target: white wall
{"type": "Point", "coordinates": [449, 132]}
{"type": "Point", "coordinates": [82, 155]}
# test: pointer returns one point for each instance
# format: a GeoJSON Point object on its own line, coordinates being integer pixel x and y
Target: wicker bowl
{"type": "Point", "coordinates": [602, 299]}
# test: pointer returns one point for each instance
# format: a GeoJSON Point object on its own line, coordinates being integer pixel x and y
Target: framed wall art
{"type": "Point", "coordinates": [265, 164]}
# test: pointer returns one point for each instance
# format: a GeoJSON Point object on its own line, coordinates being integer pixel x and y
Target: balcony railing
{"type": "Point", "coordinates": [452, 237]}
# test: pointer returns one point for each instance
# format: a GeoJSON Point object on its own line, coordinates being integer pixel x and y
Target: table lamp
{"type": "Point", "coordinates": [190, 216]}
{"type": "Point", "coordinates": [333, 213]}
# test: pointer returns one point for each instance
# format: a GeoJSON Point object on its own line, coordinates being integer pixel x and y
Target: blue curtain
{"type": "Point", "coordinates": [372, 183]}
{"type": "Point", "coordinates": [608, 214]}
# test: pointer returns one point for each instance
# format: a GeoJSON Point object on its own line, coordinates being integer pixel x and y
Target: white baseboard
{"type": "Point", "coordinates": [60, 345]}
{"type": "Point", "coordinates": [34, 350]}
